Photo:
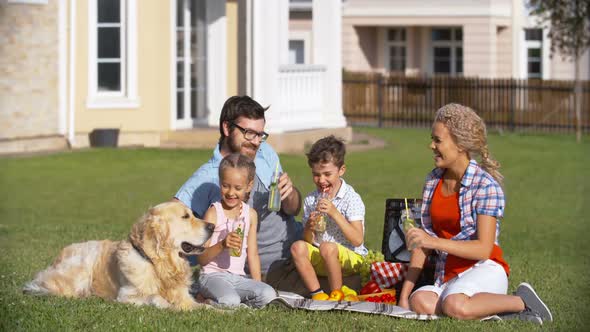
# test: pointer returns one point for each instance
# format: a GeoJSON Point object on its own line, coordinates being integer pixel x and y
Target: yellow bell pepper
{"type": "Point", "coordinates": [348, 291]}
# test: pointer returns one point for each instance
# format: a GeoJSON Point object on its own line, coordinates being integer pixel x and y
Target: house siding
{"type": "Point", "coordinates": [28, 70]}
{"type": "Point", "coordinates": [504, 52]}
{"type": "Point", "coordinates": [493, 44]}
{"type": "Point", "coordinates": [139, 125]}
{"type": "Point", "coordinates": [359, 47]}
{"type": "Point", "coordinates": [479, 48]}
{"type": "Point", "coordinates": [427, 7]}
{"type": "Point", "coordinates": [564, 68]}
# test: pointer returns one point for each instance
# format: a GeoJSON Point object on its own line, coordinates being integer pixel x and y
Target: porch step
{"type": "Point", "coordinates": [33, 145]}
{"type": "Point", "coordinates": [290, 142]}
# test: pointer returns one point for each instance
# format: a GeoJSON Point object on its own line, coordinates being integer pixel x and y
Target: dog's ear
{"type": "Point", "coordinates": [149, 233]}
{"type": "Point", "coordinates": [137, 231]}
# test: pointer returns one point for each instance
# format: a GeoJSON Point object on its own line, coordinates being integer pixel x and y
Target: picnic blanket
{"type": "Point", "coordinates": [295, 301]}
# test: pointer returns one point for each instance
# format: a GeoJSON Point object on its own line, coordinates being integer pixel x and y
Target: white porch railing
{"type": "Point", "coordinates": [301, 98]}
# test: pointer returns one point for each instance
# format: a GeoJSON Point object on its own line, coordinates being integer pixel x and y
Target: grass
{"type": "Point", "coordinates": [47, 202]}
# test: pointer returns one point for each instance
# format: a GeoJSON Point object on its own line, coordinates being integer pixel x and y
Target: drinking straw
{"type": "Point", "coordinates": [275, 180]}
{"type": "Point", "coordinates": [407, 210]}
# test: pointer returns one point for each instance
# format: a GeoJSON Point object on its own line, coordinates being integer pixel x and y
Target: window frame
{"type": "Point", "coordinates": [305, 36]}
{"type": "Point", "coordinates": [453, 44]}
{"type": "Point", "coordinates": [399, 44]}
{"type": "Point", "coordinates": [534, 44]}
{"type": "Point", "coordinates": [302, 52]}
{"type": "Point", "coordinates": [126, 97]}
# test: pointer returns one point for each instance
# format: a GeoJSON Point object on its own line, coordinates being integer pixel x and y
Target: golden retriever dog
{"type": "Point", "coordinates": [148, 268]}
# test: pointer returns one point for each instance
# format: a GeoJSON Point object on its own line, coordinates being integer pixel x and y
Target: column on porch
{"type": "Point", "coordinates": [327, 51]}
{"type": "Point", "coordinates": [270, 45]}
{"type": "Point", "coordinates": [300, 96]}
{"type": "Point", "coordinates": [216, 59]}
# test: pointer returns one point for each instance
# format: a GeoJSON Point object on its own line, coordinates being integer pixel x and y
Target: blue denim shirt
{"type": "Point", "coordinates": [202, 188]}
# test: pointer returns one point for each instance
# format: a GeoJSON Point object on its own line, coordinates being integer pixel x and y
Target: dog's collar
{"type": "Point", "coordinates": [141, 252]}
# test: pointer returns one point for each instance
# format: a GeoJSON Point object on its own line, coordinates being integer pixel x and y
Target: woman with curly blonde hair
{"type": "Point", "coordinates": [463, 203]}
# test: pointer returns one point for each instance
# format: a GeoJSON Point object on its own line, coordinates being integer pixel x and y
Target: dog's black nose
{"type": "Point", "coordinates": [210, 227]}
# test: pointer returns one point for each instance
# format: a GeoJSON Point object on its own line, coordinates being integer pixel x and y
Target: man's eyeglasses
{"type": "Point", "coordinates": [251, 134]}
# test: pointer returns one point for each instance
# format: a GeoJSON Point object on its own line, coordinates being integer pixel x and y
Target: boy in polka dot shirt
{"type": "Point", "coordinates": [338, 250]}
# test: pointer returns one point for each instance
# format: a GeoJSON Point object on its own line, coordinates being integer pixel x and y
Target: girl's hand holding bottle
{"type": "Point", "coordinates": [232, 241]}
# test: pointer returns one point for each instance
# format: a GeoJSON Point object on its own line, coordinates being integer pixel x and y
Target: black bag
{"type": "Point", "coordinates": [393, 246]}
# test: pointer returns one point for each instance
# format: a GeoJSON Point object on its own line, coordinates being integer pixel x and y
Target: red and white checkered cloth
{"type": "Point", "coordinates": [387, 274]}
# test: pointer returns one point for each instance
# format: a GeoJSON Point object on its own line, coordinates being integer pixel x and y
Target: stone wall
{"type": "Point", "coordinates": [28, 69]}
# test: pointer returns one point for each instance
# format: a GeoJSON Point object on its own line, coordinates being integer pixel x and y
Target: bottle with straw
{"type": "Point", "coordinates": [239, 229]}
{"type": "Point", "coordinates": [408, 222]}
{"type": "Point", "coordinates": [274, 196]}
{"type": "Point", "coordinates": [320, 226]}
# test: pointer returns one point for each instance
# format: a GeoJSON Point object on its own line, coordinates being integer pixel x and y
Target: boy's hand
{"type": "Point", "coordinates": [326, 206]}
{"type": "Point", "coordinates": [232, 241]}
{"type": "Point", "coordinates": [312, 220]}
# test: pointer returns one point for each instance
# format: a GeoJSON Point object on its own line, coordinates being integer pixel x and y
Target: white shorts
{"type": "Point", "coordinates": [483, 277]}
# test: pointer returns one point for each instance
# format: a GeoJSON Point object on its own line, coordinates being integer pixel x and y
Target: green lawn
{"type": "Point", "coordinates": [47, 202]}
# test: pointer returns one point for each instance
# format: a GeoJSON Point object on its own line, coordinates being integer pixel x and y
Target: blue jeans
{"type": "Point", "coordinates": [230, 290]}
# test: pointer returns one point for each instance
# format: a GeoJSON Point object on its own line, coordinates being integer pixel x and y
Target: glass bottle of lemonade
{"type": "Point", "coordinates": [274, 195]}
{"type": "Point", "coordinates": [321, 222]}
{"type": "Point", "coordinates": [238, 229]}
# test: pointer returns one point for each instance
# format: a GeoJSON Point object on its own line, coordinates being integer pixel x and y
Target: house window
{"type": "Point", "coordinates": [396, 49]}
{"type": "Point", "coordinates": [296, 51]}
{"type": "Point", "coordinates": [299, 47]}
{"type": "Point", "coordinates": [112, 49]}
{"type": "Point", "coordinates": [447, 51]}
{"type": "Point", "coordinates": [191, 62]}
{"type": "Point", "coordinates": [534, 52]}
{"type": "Point", "coordinates": [110, 46]}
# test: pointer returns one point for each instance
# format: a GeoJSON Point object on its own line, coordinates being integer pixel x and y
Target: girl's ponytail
{"type": "Point", "coordinates": [490, 165]}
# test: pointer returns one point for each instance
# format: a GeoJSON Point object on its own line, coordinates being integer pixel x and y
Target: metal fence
{"type": "Point", "coordinates": [374, 99]}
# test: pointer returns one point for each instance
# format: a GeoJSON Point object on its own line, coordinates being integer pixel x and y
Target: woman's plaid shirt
{"type": "Point", "coordinates": [479, 194]}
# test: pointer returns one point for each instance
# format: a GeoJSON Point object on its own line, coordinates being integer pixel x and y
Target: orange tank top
{"type": "Point", "coordinates": [446, 215]}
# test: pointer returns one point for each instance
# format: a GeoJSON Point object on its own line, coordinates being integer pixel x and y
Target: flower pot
{"type": "Point", "coordinates": [105, 137]}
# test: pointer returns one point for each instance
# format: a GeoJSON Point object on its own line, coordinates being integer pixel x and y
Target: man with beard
{"type": "Point", "coordinates": [241, 126]}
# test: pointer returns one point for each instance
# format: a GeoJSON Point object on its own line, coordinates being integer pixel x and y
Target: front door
{"type": "Point", "coordinates": [191, 60]}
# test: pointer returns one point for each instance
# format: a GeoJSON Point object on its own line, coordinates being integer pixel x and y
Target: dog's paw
{"type": "Point", "coordinates": [158, 301]}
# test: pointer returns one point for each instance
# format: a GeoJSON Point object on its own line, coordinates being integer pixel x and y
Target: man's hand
{"type": "Point", "coordinates": [290, 197]}
{"type": "Point", "coordinates": [285, 186]}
